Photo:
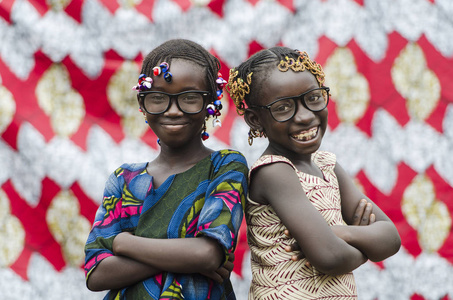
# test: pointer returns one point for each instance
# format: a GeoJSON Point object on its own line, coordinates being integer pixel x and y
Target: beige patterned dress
{"type": "Point", "coordinates": [275, 275]}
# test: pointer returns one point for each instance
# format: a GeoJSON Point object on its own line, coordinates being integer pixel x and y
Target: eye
{"type": "Point", "coordinates": [156, 98]}
{"type": "Point", "coordinates": [315, 96]}
{"type": "Point", "coordinates": [283, 106]}
{"type": "Point", "coordinates": [190, 97]}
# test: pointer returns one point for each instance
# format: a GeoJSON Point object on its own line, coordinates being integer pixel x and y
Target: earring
{"type": "Point", "coordinates": [204, 134]}
{"type": "Point", "coordinates": [254, 134]}
{"type": "Point", "coordinates": [140, 110]}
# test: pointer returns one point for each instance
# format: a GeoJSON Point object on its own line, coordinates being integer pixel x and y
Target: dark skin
{"type": "Point", "coordinates": [138, 258]}
{"type": "Point", "coordinates": [335, 249]}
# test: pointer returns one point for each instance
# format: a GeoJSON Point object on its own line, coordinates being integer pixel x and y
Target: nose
{"type": "Point", "coordinates": [303, 115]}
{"type": "Point", "coordinates": [173, 109]}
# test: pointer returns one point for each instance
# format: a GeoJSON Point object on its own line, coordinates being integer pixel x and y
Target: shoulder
{"type": "Point", "coordinates": [127, 171]}
{"type": "Point", "coordinates": [130, 168]}
{"type": "Point", "coordinates": [325, 158]}
{"type": "Point", "coordinates": [271, 162]}
{"type": "Point", "coordinates": [273, 168]}
{"type": "Point", "coordinates": [227, 156]}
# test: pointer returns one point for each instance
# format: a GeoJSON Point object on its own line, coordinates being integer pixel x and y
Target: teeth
{"type": "Point", "coordinates": [307, 135]}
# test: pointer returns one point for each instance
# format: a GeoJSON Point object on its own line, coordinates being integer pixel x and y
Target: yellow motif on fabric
{"type": "Point", "coordinates": [129, 198]}
{"type": "Point", "coordinates": [194, 210]}
{"type": "Point", "coordinates": [173, 292]}
{"type": "Point", "coordinates": [124, 100]}
{"type": "Point", "coordinates": [68, 227]}
{"type": "Point", "coordinates": [7, 107]}
{"type": "Point", "coordinates": [109, 204]}
{"type": "Point", "coordinates": [350, 89]}
{"type": "Point", "coordinates": [428, 215]}
{"type": "Point", "coordinates": [415, 82]}
{"type": "Point", "coordinates": [59, 101]}
{"type": "Point", "coordinates": [12, 234]}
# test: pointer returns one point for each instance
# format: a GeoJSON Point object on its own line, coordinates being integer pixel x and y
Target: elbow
{"type": "Point", "coordinates": [338, 263]}
{"type": "Point", "coordinates": [210, 256]}
{"type": "Point", "coordinates": [390, 250]}
{"type": "Point", "coordinates": [93, 284]}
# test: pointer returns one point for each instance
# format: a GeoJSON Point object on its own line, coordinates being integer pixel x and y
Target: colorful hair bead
{"type": "Point", "coordinates": [144, 83]}
{"type": "Point", "coordinates": [167, 76]}
{"type": "Point", "coordinates": [216, 123]}
{"type": "Point", "coordinates": [204, 135]}
{"type": "Point", "coordinates": [210, 109]}
{"type": "Point", "coordinates": [164, 66]}
{"type": "Point", "coordinates": [157, 71]}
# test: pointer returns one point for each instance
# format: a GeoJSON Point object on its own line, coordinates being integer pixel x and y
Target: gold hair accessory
{"type": "Point", "coordinates": [237, 89]}
{"type": "Point", "coordinates": [302, 63]}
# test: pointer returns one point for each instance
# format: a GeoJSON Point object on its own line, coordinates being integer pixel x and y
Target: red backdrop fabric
{"type": "Point", "coordinates": [68, 117]}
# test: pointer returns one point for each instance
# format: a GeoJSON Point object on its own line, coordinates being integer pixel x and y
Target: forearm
{"type": "Point", "coordinates": [184, 255]}
{"type": "Point", "coordinates": [377, 241]}
{"type": "Point", "coordinates": [341, 258]}
{"type": "Point", "coordinates": [116, 272]}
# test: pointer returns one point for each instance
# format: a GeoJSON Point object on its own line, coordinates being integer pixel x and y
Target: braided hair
{"type": "Point", "coordinates": [258, 68]}
{"type": "Point", "coordinates": [186, 50]}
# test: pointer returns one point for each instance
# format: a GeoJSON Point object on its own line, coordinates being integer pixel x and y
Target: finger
{"type": "Point", "coordinates": [223, 273]}
{"type": "Point", "coordinates": [292, 247]}
{"type": "Point", "coordinates": [357, 217]}
{"type": "Point", "coordinates": [287, 233]}
{"type": "Point", "coordinates": [229, 266]}
{"type": "Point", "coordinates": [372, 218]}
{"type": "Point", "coordinates": [231, 257]}
{"type": "Point", "coordinates": [366, 214]}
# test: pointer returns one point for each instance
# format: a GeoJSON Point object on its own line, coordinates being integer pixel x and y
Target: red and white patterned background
{"type": "Point", "coordinates": [68, 117]}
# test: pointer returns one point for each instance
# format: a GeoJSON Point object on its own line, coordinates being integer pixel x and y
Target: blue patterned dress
{"type": "Point", "coordinates": [206, 200]}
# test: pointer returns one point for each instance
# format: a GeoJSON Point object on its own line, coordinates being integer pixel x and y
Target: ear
{"type": "Point", "coordinates": [252, 119]}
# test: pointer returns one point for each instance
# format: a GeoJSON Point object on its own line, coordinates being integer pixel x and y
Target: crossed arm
{"type": "Point", "coordinates": [332, 250]}
{"type": "Point", "coordinates": [138, 258]}
{"type": "Point", "coordinates": [369, 230]}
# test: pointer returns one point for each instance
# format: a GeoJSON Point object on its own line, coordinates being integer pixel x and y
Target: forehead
{"type": "Point", "coordinates": [186, 75]}
{"type": "Point", "coordinates": [285, 84]}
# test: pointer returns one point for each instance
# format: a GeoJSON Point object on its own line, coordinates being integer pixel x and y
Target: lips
{"type": "Point", "coordinates": [306, 135]}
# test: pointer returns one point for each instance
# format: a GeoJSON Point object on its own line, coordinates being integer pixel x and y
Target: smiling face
{"type": "Point", "coordinates": [301, 135]}
{"type": "Point", "coordinates": [173, 127]}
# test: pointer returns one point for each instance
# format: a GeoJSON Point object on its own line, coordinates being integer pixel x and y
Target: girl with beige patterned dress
{"type": "Point", "coordinates": [296, 188]}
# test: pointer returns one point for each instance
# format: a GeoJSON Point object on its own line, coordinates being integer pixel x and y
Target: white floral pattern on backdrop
{"type": "Point", "coordinates": [68, 118]}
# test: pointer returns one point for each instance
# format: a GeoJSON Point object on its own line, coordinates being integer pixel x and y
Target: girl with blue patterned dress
{"type": "Point", "coordinates": [167, 229]}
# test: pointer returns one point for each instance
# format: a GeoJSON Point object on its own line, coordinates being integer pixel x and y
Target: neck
{"type": "Point", "coordinates": [295, 158]}
{"type": "Point", "coordinates": [186, 155]}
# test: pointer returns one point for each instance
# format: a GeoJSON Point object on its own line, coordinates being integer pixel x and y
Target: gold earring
{"type": "Point", "coordinates": [254, 134]}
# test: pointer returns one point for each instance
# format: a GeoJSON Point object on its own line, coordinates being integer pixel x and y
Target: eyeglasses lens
{"type": "Point", "coordinates": [190, 102]}
{"type": "Point", "coordinates": [315, 100]}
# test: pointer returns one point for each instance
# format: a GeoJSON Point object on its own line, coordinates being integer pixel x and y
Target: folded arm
{"type": "Point", "coordinates": [278, 185]}
{"type": "Point", "coordinates": [377, 241]}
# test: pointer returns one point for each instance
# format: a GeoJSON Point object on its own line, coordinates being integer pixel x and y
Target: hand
{"type": "Point", "coordinates": [363, 214]}
{"type": "Point", "coordinates": [295, 247]}
{"type": "Point", "coordinates": [223, 272]}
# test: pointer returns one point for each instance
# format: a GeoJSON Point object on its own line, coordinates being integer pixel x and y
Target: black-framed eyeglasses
{"type": "Point", "coordinates": [189, 102]}
{"type": "Point", "coordinates": [284, 109]}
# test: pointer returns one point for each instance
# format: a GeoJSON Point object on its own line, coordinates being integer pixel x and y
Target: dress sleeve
{"type": "Point", "coordinates": [106, 224]}
{"type": "Point", "coordinates": [222, 213]}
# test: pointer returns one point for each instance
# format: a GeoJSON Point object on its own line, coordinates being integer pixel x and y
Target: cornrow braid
{"type": "Point", "coordinates": [186, 50]}
{"type": "Point", "coordinates": [257, 68]}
